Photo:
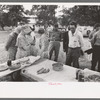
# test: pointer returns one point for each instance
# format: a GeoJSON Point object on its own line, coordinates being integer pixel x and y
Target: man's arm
{"type": "Point", "coordinates": [65, 41]}
{"type": "Point", "coordinates": [93, 39]}
{"type": "Point", "coordinates": [49, 36]}
{"type": "Point", "coordinates": [81, 41]}
{"type": "Point", "coordinates": [8, 43]}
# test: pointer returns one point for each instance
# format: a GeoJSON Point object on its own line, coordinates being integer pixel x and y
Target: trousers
{"type": "Point", "coordinates": [96, 58]}
{"type": "Point", "coordinates": [72, 57]}
{"type": "Point", "coordinates": [12, 53]}
{"type": "Point", "coordinates": [54, 46]}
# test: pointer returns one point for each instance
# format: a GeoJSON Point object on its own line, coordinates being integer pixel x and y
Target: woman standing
{"type": "Point", "coordinates": [23, 43]}
{"type": "Point", "coordinates": [32, 42]}
{"type": "Point", "coordinates": [43, 43]}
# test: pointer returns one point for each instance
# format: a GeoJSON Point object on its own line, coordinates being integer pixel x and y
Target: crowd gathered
{"type": "Point", "coordinates": [21, 43]}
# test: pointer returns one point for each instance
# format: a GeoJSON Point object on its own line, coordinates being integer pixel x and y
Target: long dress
{"type": "Point", "coordinates": [33, 50]}
{"type": "Point", "coordinates": [23, 47]}
{"type": "Point", "coordinates": [44, 43]}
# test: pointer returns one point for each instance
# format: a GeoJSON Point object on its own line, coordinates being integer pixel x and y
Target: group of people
{"type": "Point", "coordinates": [95, 42]}
{"type": "Point", "coordinates": [21, 44]}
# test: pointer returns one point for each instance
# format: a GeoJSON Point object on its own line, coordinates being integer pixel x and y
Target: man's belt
{"type": "Point", "coordinates": [74, 47]}
{"type": "Point", "coordinates": [54, 40]}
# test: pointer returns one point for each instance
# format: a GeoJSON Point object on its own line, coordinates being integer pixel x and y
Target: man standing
{"type": "Point", "coordinates": [75, 44]}
{"type": "Point", "coordinates": [11, 43]}
{"type": "Point", "coordinates": [54, 44]}
{"type": "Point", "coordinates": [96, 49]}
{"type": "Point", "coordinates": [65, 42]}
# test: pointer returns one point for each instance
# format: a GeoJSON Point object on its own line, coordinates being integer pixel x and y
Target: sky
{"type": "Point", "coordinates": [29, 6]}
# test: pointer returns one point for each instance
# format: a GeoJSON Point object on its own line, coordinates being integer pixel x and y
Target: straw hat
{"type": "Point", "coordinates": [26, 29]}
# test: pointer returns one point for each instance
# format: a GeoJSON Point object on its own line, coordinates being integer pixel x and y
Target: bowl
{"type": "Point", "coordinates": [57, 66]}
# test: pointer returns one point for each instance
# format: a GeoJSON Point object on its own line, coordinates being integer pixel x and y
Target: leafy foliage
{"type": "Point", "coordinates": [45, 13]}
{"type": "Point", "coordinates": [13, 15]}
{"type": "Point", "coordinates": [83, 15]}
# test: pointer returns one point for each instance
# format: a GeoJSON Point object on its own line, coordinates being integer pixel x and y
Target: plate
{"type": "Point", "coordinates": [3, 67]}
{"type": "Point", "coordinates": [15, 66]}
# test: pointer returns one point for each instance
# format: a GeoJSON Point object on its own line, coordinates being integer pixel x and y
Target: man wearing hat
{"type": "Point", "coordinates": [54, 44]}
{"type": "Point", "coordinates": [11, 43]}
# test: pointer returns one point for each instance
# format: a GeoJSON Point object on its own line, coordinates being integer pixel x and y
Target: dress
{"type": "Point", "coordinates": [44, 43]}
{"type": "Point", "coordinates": [33, 50]}
{"type": "Point", "coordinates": [23, 47]}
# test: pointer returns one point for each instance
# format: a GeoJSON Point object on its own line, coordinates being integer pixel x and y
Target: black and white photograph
{"type": "Point", "coordinates": [49, 43]}
{"type": "Point", "coordinates": [53, 43]}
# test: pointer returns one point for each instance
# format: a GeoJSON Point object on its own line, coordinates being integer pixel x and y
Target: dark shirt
{"type": "Point", "coordinates": [96, 39]}
{"type": "Point", "coordinates": [65, 41]}
{"type": "Point", "coordinates": [11, 42]}
{"type": "Point", "coordinates": [55, 36]}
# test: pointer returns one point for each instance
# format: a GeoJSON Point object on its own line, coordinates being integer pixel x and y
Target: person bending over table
{"type": "Point", "coordinates": [43, 43]}
{"type": "Point", "coordinates": [23, 43]}
{"type": "Point", "coordinates": [11, 43]}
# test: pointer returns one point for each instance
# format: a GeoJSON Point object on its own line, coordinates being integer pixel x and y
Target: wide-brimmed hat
{"type": "Point", "coordinates": [26, 29]}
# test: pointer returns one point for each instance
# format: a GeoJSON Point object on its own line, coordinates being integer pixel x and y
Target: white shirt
{"type": "Point", "coordinates": [76, 39]}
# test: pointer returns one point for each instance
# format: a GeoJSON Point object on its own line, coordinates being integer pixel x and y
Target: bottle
{"type": "Point", "coordinates": [9, 62]}
{"type": "Point", "coordinates": [81, 76]}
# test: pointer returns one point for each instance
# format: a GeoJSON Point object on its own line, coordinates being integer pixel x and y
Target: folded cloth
{"type": "Point", "coordinates": [89, 51]}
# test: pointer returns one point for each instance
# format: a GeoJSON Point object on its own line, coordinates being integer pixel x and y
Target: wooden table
{"type": "Point", "coordinates": [8, 73]}
{"type": "Point", "coordinates": [68, 74]}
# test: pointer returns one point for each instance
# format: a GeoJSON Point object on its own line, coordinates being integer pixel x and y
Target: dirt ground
{"type": "Point", "coordinates": [84, 63]}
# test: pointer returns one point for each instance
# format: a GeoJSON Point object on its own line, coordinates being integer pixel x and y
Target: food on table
{"type": "Point", "coordinates": [43, 70]}
{"type": "Point", "coordinates": [81, 76]}
{"type": "Point", "coordinates": [3, 67]}
{"type": "Point", "coordinates": [57, 66]}
{"type": "Point", "coordinates": [29, 60]}
{"type": "Point", "coordinates": [15, 66]}
{"type": "Point", "coordinates": [40, 71]}
{"type": "Point", "coordinates": [46, 70]}
{"type": "Point", "coordinates": [92, 78]}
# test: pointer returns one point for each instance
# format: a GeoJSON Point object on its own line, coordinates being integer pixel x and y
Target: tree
{"type": "Point", "coordinates": [83, 14]}
{"type": "Point", "coordinates": [15, 14]}
{"type": "Point", "coordinates": [10, 15]}
{"type": "Point", "coordinates": [44, 13]}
